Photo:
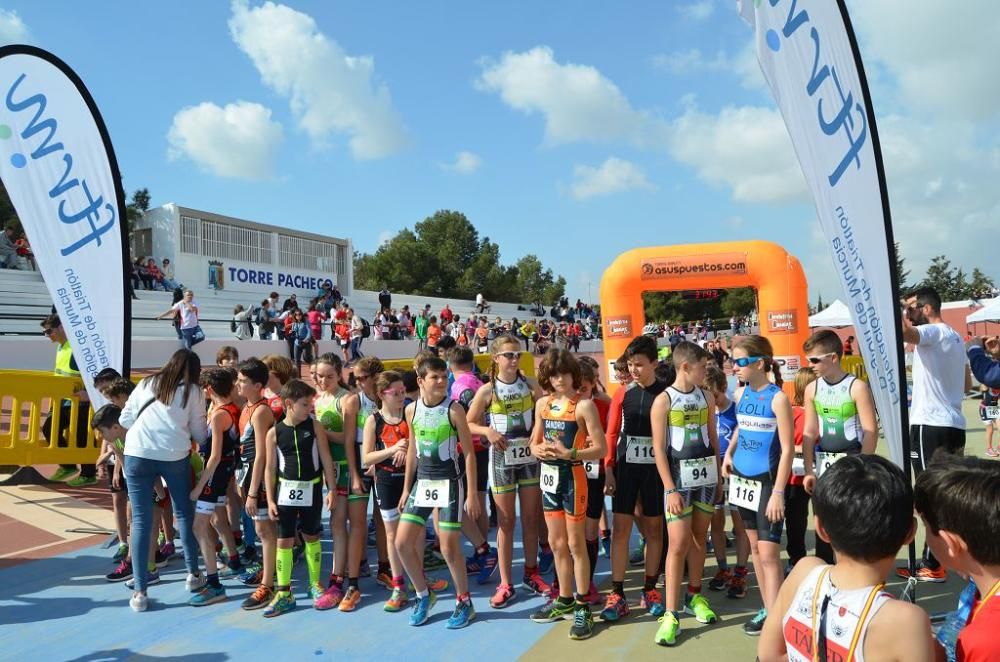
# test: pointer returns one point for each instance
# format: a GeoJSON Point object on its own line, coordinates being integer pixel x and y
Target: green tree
{"type": "Point", "coordinates": [445, 256]}
{"type": "Point", "coordinates": [980, 285]}
{"type": "Point", "coordinates": [944, 278]}
{"type": "Point", "coordinates": [739, 302]}
{"type": "Point", "coordinates": [901, 273]}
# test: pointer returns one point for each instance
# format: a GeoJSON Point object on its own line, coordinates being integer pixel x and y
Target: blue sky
{"type": "Point", "coordinates": [574, 131]}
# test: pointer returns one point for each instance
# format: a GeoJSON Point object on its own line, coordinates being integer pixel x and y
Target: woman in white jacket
{"type": "Point", "coordinates": [163, 415]}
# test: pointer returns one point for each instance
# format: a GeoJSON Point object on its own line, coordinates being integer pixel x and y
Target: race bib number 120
{"type": "Point", "coordinates": [518, 452]}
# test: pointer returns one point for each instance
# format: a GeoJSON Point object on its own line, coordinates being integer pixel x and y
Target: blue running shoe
{"type": "Point", "coordinates": [421, 608]}
{"type": "Point", "coordinates": [488, 566]}
{"type": "Point", "coordinates": [207, 596]}
{"type": "Point", "coordinates": [546, 561]}
{"type": "Point", "coordinates": [464, 614]}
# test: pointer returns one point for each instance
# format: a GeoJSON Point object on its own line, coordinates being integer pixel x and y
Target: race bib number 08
{"type": "Point", "coordinates": [433, 493]}
{"type": "Point", "coordinates": [744, 492]}
{"type": "Point", "coordinates": [825, 460]}
{"type": "Point", "coordinates": [549, 479]}
{"type": "Point", "coordinates": [699, 472]}
{"type": "Point", "coordinates": [518, 452]}
{"type": "Point", "coordinates": [639, 450]}
{"type": "Point", "coordinates": [298, 493]}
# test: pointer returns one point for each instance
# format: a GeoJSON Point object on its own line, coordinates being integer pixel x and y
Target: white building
{"type": "Point", "coordinates": [214, 252]}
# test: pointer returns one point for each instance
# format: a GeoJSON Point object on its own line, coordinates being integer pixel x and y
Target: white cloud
{"type": "Point", "coordinates": [746, 149]}
{"type": "Point", "coordinates": [465, 163]}
{"type": "Point", "coordinates": [613, 176]}
{"type": "Point", "coordinates": [943, 55]}
{"type": "Point", "coordinates": [697, 11]}
{"type": "Point", "coordinates": [329, 91]}
{"type": "Point", "coordinates": [12, 28]}
{"type": "Point", "coordinates": [239, 140]}
{"type": "Point", "coordinates": [385, 236]}
{"type": "Point", "coordinates": [742, 64]}
{"type": "Point", "coordinates": [578, 102]}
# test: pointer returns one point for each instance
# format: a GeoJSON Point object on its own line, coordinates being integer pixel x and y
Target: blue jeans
{"type": "Point", "coordinates": [356, 348]}
{"type": "Point", "coordinates": [139, 476]}
{"type": "Point", "coordinates": [187, 337]}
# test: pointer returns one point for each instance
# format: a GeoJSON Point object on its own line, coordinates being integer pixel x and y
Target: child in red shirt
{"type": "Point", "coordinates": [796, 497]}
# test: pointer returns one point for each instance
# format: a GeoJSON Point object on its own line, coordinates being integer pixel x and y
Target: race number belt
{"type": "Point", "coordinates": [744, 492]}
{"type": "Point", "coordinates": [593, 468]}
{"type": "Point", "coordinates": [549, 479]}
{"type": "Point", "coordinates": [825, 460]}
{"type": "Point", "coordinates": [433, 493]}
{"type": "Point", "coordinates": [639, 450]}
{"type": "Point", "coordinates": [698, 472]}
{"type": "Point", "coordinates": [298, 493]}
{"type": "Point", "coordinates": [518, 452]}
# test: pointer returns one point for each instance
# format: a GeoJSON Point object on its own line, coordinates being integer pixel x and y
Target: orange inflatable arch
{"type": "Point", "coordinates": [782, 306]}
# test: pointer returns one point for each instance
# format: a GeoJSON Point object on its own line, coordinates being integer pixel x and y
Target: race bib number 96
{"type": "Point", "coordinates": [432, 493]}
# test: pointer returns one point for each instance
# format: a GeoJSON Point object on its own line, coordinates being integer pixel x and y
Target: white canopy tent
{"type": "Point", "coordinates": [835, 315]}
{"type": "Point", "coordinates": [988, 313]}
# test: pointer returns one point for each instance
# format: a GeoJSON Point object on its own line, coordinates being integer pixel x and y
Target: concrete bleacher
{"type": "Point", "coordinates": [24, 294]}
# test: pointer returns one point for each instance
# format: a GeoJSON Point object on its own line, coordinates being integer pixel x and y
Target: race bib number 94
{"type": "Point", "coordinates": [699, 473]}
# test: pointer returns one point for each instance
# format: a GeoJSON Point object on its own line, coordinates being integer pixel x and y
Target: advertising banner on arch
{"type": "Point", "coordinates": [58, 167]}
{"type": "Point", "coordinates": [809, 56]}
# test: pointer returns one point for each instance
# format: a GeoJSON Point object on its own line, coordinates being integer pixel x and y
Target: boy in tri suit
{"type": "Point", "coordinates": [864, 509]}
{"type": "Point", "coordinates": [298, 459]}
{"type": "Point", "coordinates": [435, 484]}
{"type": "Point", "coordinates": [559, 438]}
{"type": "Point", "coordinates": [959, 501]}
{"type": "Point", "coordinates": [686, 445]}
{"type": "Point", "coordinates": [839, 415]}
{"type": "Point", "coordinates": [256, 421]}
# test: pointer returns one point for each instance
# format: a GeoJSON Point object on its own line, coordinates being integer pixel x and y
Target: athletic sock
{"type": "Point", "coordinates": [314, 558]}
{"type": "Point", "coordinates": [592, 555]}
{"type": "Point", "coordinates": [238, 536]}
{"type": "Point", "coordinates": [423, 594]}
{"type": "Point", "coordinates": [545, 547]}
{"type": "Point", "coordinates": [336, 579]}
{"type": "Point", "coordinates": [483, 549]}
{"type": "Point", "coordinates": [213, 580]}
{"type": "Point", "coordinates": [151, 566]}
{"type": "Point", "coordinates": [352, 582]}
{"type": "Point", "coordinates": [649, 583]}
{"type": "Point", "coordinates": [399, 582]}
{"type": "Point", "coordinates": [694, 590]}
{"type": "Point", "coordinates": [234, 561]}
{"type": "Point", "coordinates": [465, 597]}
{"type": "Point", "coordinates": [618, 587]}
{"type": "Point", "coordinates": [283, 564]}
{"type": "Point", "coordinates": [564, 601]}
{"type": "Point", "coordinates": [383, 566]}
{"type": "Point", "coordinates": [740, 571]}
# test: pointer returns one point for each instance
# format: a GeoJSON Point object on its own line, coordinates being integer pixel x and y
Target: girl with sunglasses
{"type": "Point", "coordinates": [503, 413]}
{"type": "Point", "coordinates": [384, 447]}
{"type": "Point", "coordinates": [759, 462]}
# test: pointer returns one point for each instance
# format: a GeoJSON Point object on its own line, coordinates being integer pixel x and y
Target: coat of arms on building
{"type": "Point", "coordinates": [216, 275]}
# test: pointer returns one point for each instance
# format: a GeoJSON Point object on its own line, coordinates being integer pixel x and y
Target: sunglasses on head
{"type": "Point", "coordinates": [818, 359]}
{"type": "Point", "coordinates": [510, 356]}
{"type": "Point", "coordinates": [744, 361]}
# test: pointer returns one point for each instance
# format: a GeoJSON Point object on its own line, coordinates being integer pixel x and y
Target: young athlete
{"type": "Point", "coordinates": [840, 415]}
{"type": "Point", "coordinates": [506, 404]}
{"type": "Point", "coordinates": [227, 357]}
{"type": "Point", "coordinates": [209, 492]}
{"type": "Point", "coordinates": [959, 502]}
{"type": "Point", "coordinates": [758, 461]}
{"type": "Point", "coordinates": [733, 582]}
{"type": "Point", "coordinates": [989, 408]}
{"type": "Point", "coordinates": [463, 389]}
{"type": "Point", "coordinates": [559, 438]}
{"type": "Point", "coordinates": [386, 436]}
{"type": "Point", "coordinates": [686, 447]}
{"type": "Point", "coordinates": [256, 421]}
{"type": "Point", "coordinates": [280, 370]}
{"type": "Point", "coordinates": [298, 459]}
{"type": "Point", "coordinates": [329, 406]}
{"type": "Point", "coordinates": [112, 461]}
{"type": "Point", "coordinates": [590, 389]}
{"type": "Point", "coordinates": [357, 407]}
{"type": "Point", "coordinates": [632, 480]}
{"type": "Point", "coordinates": [434, 485]}
{"type": "Point", "coordinates": [864, 508]}
{"type": "Point", "coordinates": [796, 497]}
{"type": "Point", "coordinates": [614, 423]}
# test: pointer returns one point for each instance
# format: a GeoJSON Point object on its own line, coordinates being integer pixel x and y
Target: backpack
{"type": "Point", "coordinates": [232, 325]}
{"type": "Point", "coordinates": [366, 328]}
